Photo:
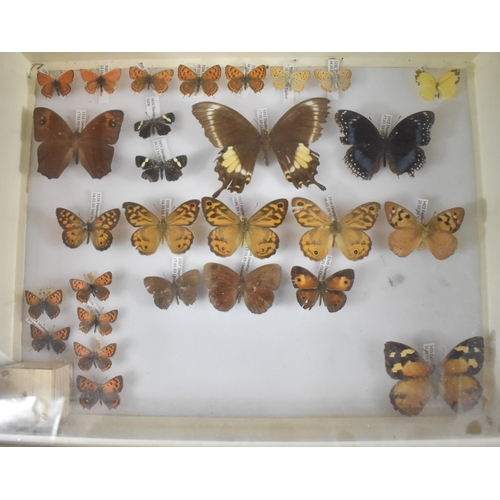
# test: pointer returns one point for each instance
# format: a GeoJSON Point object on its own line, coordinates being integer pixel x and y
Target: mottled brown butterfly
{"type": "Point", "coordinates": [55, 340]}
{"type": "Point", "coordinates": [164, 291]}
{"type": "Point", "coordinates": [98, 359]}
{"type": "Point", "coordinates": [106, 393]}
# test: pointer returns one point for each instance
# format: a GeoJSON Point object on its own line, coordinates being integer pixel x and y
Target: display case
{"type": "Point", "coordinates": [197, 375]}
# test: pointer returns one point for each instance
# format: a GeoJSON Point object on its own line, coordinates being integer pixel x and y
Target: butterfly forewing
{"type": "Point", "coordinates": [223, 286]}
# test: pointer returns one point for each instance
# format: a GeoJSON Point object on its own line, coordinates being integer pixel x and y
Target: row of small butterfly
{"type": "Point", "coordinates": [232, 232]}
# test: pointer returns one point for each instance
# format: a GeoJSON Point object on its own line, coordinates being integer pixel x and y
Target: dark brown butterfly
{"type": "Point", "coordinates": [61, 84]}
{"type": "Point", "coordinates": [92, 146]}
{"type": "Point", "coordinates": [97, 288]}
{"type": "Point", "coordinates": [106, 393]}
{"type": "Point", "coordinates": [241, 142]}
{"type": "Point", "coordinates": [226, 287]}
{"type": "Point", "coordinates": [153, 170]}
{"type": "Point", "coordinates": [239, 80]}
{"type": "Point", "coordinates": [54, 340]}
{"type": "Point", "coordinates": [106, 82]}
{"type": "Point", "coordinates": [101, 322]}
{"type": "Point", "coordinates": [99, 359]}
{"type": "Point", "coordinates": [48, 304]}
{"type": "Point", "coordinates": [330, 290]}
{"type": "Point", "coordinates": [159, 126]}
{"type": "Point", "coordinates": [165, 291]}
{"type": "Point", "coordinates": [142, 79]}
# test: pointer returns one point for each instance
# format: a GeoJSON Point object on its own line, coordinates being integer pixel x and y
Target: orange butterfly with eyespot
{"type": "Point", "coordinates": [98, 359]}
{"type": "Point", "coordinates": [97, 287]}
{"type": "Point", "coordinates": [192, 83]}
{"type": "Point", "coordinates": [106, 393]}
{"type": "Point", "coordinates": [55, 340]}
{"type": "Point", "coordinates": [101, 322]}
{"type": "Point", "coordinates": [142, 79]}
{"type": "Point", "coordinates": [239, 81]}
{"type": "Point", "coordinates": [61, 84]}
{"type": "Point", "coordinates": [106, 82]}
{"type": "Point", "coordinates": [48, 304]}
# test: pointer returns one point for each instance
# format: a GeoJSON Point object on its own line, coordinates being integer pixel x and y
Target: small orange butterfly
{"type": "Point", "coordinates": [101, 322]}
{"type": "Point", "coordinates": [239, 80]}
{"type": "Point", "coordinates": [106, 393]}
{"type": "Point", "coordinates": [106, 82]}
{"type": "Point", "coordinates": [97, 288]}
{"type": "Point", "coordinates": [191, 82]}
{"type": "Point", "coordinates": [142, 79]}
{"type": "Point", "coordinates": [99, 359]}
{"type": "Point", "coordinates": [48, 304]}
{"type": "Point", "coordinates": [54, 340]}
{"type": "Point", "coordinates": [61, 84]}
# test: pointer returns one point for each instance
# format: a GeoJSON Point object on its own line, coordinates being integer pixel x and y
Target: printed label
{"type": "Point", "coordinates": [93, 307]}
{"type": "Point", "coordinates": [141, 66]}
{"type": "Point", "coordinates": [37, 323]}
{"type": "Point", "coordinates": [177, 263]}
{"type": "Point", "coordinates": [246, 261]}
{"type": "Point", "coordinates": [200, 69]}
{"type": "Point", "coordinates": [161, 149]}
{"type": "Point", "coordinates": [95, 205]}
{"type": "Point", "coordinates": [262, 118]}
{"type": "Point", "coordinates": [324, 265]}
{"type": "Point", "coordinates": [153, 106]}
{"type": "Point", "coordinates": [81, 118]}
{"type": "Point", "coordinates": [330, 206]}
{"type": "Point", "coordinates": [421, 208]}
{"type": "Point", "coordinates": [386, 125]}
{"type": "Point", "coordinates": [239, 206]}
{"type": "Point", "coordinates": [429, 351]}
{"type": "Point", "coordinates": [97, 344]}
{"type": "Point", "coordinates": [165, 207]}
{"type": "Point", "coordinates": [43, 69]}
{"type": "Point", "coordinates": [103, 97]}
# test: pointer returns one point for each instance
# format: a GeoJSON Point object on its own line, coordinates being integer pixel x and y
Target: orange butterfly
{"type": "Point", "coordinates": [61, 84]}
{"type": "Point", "coordinates": [84, 289]}
{"type": "Point", "coordinates": [54, 340]}
{"type": "Point", "coordinates": [48, 304]}
{"type": "Point", "coordinates": [100, 358]}
{"type": "Point", "coordinates": [101, 322]}
{"type": "Point", "coordinates": [142, 79]}
{"type": "Point", "coordinates": [106, 82]}
{"type": "Point", "coordinates": [191, 82]}
{"type": "Point", "coordinates": [239, 80]}
{"type": "Point", "coordinates": [106, 393]}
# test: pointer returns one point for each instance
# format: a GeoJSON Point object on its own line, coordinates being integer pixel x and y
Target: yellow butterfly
{"type": "Point", "coordinates": [411, 234]}
{"type": "Point", "coordinates": [231, 232]}
{"type": "Point", "coordinates": [348, 232]}
{"type": "Point", "coordinates": [295, 81]}
{"type": "Point", "coordinates": [333, 80]}
{"type": "Point", "coordinates": [169, 229]}
{"type": "Point", "coordinates": [445, 87]}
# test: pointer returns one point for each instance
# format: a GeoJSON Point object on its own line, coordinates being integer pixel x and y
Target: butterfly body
{"type": "Point", "coordinates": [155, 126]}
{"type": "Point", "coordinates": [192, 83]}
{"type": "Point", "coordinates": [48, 304]}
{"type": "Point", "coordinates": [106, 393]}
{"type": "Point", "coordinates": [369, 148]}
{"type": "Point", "coordinates": [157, 81]}
{"type": "Point", "coordinates": [98, 359]}
{"type": "Point", "coordinates": [418, 382]}
{"type": "Point", "coordinates": [97, 288]}
{"type": "Point", "coordinates": [54, 340]}
{"type": "Point", "coordinates": [101, 322]}
{"type": "Point", "coordinates": [105, 83]}
{"type": "Point", "coordinates": [239, 81]}
{"type": "Point", "coordinates": [61, 84]}
{"type": "Point", "coordinates": [169, 170]}
{"type": "Point", "coordinates": [164, 291]}
{"type": "Point", "coordinates": [444, 88]}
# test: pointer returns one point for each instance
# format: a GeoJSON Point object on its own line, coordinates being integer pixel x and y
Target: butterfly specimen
{"type": "Point", "coordinates": [155, 126]}
{"type": "Point", "coordinates": [330, 290]}
{"type": "Point", "coordinates": [105, 83]}
{"type": "Point", "coordinates": [106, 393]}
{"type": "Point", "coordinates": [444, 88]}
{"type": "Point", "coordinates": [101, 322]}
{"type": "Point", "coordinates": [92, 146]}
{"type": "Point", "coordinates": [76, 231]}
{"type": "Point", "coordinates": [333, 80]}
{"type": "Point", "coordinates": [369, 148]}
{"type": "Point", "coordinates": [225, 287]}
{"type": "Point", "coordinates": [232, 232]}
{"type": "Point", "coordinates": [348, 232]}
{"type": "Point", "coordinates": [54, 340]}
{"type": "Point", "coordinates": [295, 81]}
{"type": "Point", "coordinates": [191, 82]}
{"type": "Point", "coordinates": [48, 304]}
{"type": "Point", "coordinates": [241, 142]}
{"type": "Point", "coordinates": [165, 291]}
{"type": "Point", "coordinates": [97, 288]}
{"type": "Point", "coordinates": [153, 170]}
{"type": "Point", "coordinates": [411, 234]}
{"type": "Point", "coordinates": [142, 79]}
{"type": "Point", "coordinates": [418, 382]}
{"type": "Point", "coordinates": [169, 229]}
{"type": "Point", "coordinates": [61, 84]}
{"type": "Point", "coordinates": [239, 81]}
{"type": "Point", "coordinates": [98, 359]}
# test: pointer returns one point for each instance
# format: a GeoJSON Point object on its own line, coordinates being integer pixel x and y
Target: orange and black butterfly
{"type": "Point", "coordinates": [106, 393]}
{"type": "Point", "coordinates": [239, 81]}
{"type": "Point", "coordinates": [106, 82]}
{"type": "Point", "coordinates": [192, 83]}
{"type": "Point", "coordinates": [101, 322]}
{"type": "Point", "coordinates": [142, 79]}
{"type": "Point", "coordinates": [61, 84]}
{"type": "Point", "coordinates": [330, 290]}
{"type": "Point", "coordinates": [48, 304]}
{"type": "Point", "coordinates": [97, 288]}
{"type": "Point", "coordinates": [99, 359]}
{"type": "Point", "coordinates": [418, 382]}
{"type": "Point", "coordinates": [55, 340]}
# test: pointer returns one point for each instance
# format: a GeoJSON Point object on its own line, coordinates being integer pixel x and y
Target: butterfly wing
{"type": "Point", "coordinates": [57, 340]}
{"type": "Point", "coordinates": [75, 230]}
{"type": "Point", "coordinates": [280, 77]}
{"type": "Point", "coordinates": [56, 149]}
{"type": "Point", "coordinates": [82, 288]}
{"type": "Point", "coordinates": [307, 286]}
{"type": "Point", "coordinates": [409, 232]}
{"type": "Point", "coordinates": [161, 289]}
{"type": "Point", "coordinates": [87, 320]}
{"type": "Point", "coordinates": [290, 138]}
{"type": "Point", "coordinates": [91, 79]}
{"type": "Point", "coordinates": [298, 80]}
{"type": "Point", "coordinates": [147, 239]}
{"type": "Point", "coordinates": [110, 79]}
{"type": "Point", "coordinates": [159, 81]}
{"type": "Point", "coordinates": [447, 84]}
{"type": "Point", "coordinates": [414, 389]}
{"type": "Point", "coordinates": [189, 85]}
{"type": "Point", "coordinates": [140, 79]}
{"type": "Point", "coordinates": [236, 79]}
{"type": "Point", "coordinates": [109, 392]}
{"type": "Point", "coordinates": [223, 286]}
{"type": "Point", "coordinates": [86, 359]}
{"type": "Point", "coordinates": [173, 167]}
{"type": "Point", "coordinates": [325, 79]}
{"type": "Point", "coordinates": [51, 304]}
{"type": "Point", "coordinates": [178, 237]}
{"type": "Point", "coordinates": [427, 84]}
{"type": "Point", "coordinates": [208, 79]}
{"type": "Point", "coordinates": [47, 84]}
{"type": "Point", "coordinates": [100, 229]}
{"type": "Point", "coordinates": [186, 286]}
{"type": "Point", "coordinates": [440, 240]}
{"type": "Point", "coordinates": [105, 320]}
{"type": "Point", "coordinates": [40, 338]}
{"type": "Point", "coordinates": [258, 287]}
{"type": "Point", "coordinates": [344, 78]}
{"type": "Point", "coordinates": [99, 289]}
{"type": "Point", "coordinates": [151, 168]}
{"type": "Point", "coordinates": [89, 390]}
{"type": "Point", "coordinates": [35, 303]}
{"type": "Point", "coordinates": [102, 359]}
{"type": "Point", "coordinates": [334, 288]}
{"type": "Point", "coordinates": [256, 77]}
{"type": "Point", "coordinates": [241, 142]}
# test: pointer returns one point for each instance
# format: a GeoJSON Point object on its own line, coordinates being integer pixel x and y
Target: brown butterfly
{"type": "Point", "coordinates": [101, 322]}
{"type": "Point", "coordinates": [76, 231]}
{"type": "Point", "coordinates": [170, 229]}
{"type": "Point", "coordinates": [348, 232]}
{"type": "Point", "coordinates": [106, 393]}
{"type": "Point", "coordinates": [333, 80]}
{"type": "Point", "coordinates": [295, 81]}
{"type": "Point", "coordinates": [61, 84]}
{"type": "Point", "coordinates": [106, 82]}
{"type": "Point", "coordinates": [191, 82]}
{"type": "Point", "coordinates": [227, 287]}
{"type": "Point", "coordinates": [54, 340]}
{"type": "Point", "coordinates": [232, 232]}
{"type": "Point", "coordinates": [418, 382]}
{"type": "Point", "coordinates": [99, 359]}
{"type": "Point", "coordinates": [142, 79]}
{"type": "Point", "coordinates": [48, 304]}
{"type": "Point", "coordinates": [164, 291]}
{"type": "Point", "coordinates": [97, 288]}
{"type": "Point", "coordinates": [239, 80]}
{"type": "Point", "coordinates": [92, 146]}
{"type": "Point", "coordinates": [410, 234]}
{"type": "Point", "coordinates": [330, 290]}
{"type": "Point", "coordinates": [241, 142]}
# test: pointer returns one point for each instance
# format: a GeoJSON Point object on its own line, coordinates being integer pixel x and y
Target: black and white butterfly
{"type": "Point", "coordinates": [158, 126]}
{"type": "Point", "coordinates": [369, 148]}
{"type": "Point", "coordinates": [154, 169]}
